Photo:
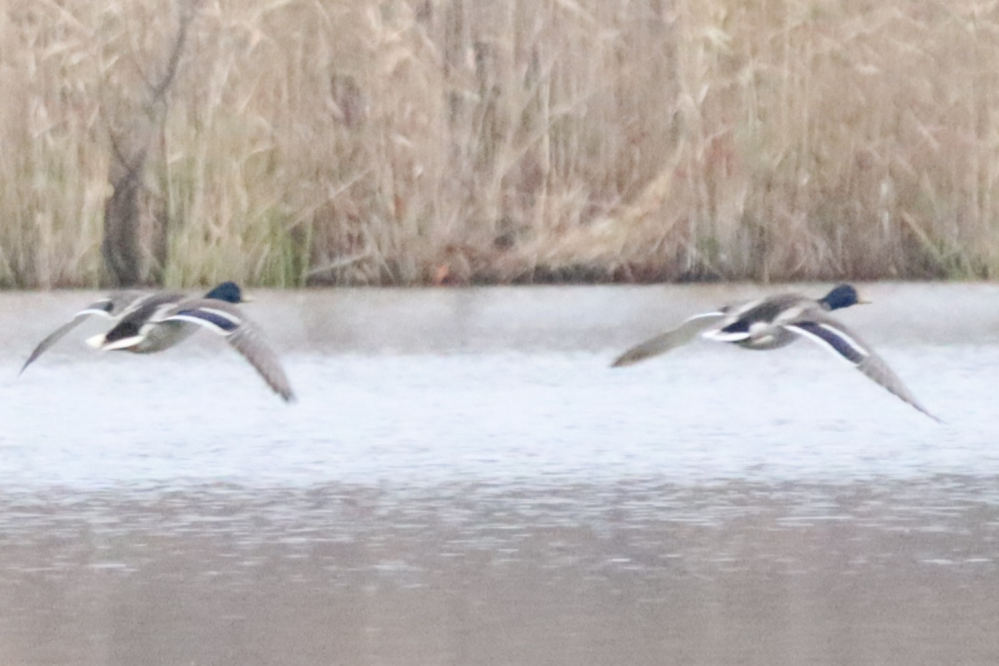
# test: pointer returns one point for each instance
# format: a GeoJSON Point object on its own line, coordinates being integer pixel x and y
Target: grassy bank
{"type": "Point", "coordinates": [420, 141]}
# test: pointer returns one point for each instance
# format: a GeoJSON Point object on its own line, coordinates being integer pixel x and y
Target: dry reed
{"type": "Point", "coordinates": [422, 141]}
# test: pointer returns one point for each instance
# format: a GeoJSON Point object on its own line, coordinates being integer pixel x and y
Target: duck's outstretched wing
{"type": "Point", "coordinates": [671, 339]}
{"type": "Point", "coordinates": [845, 344]}
{"type": "Point", "coordinates": [226, 320]}
{"type": "Point", "coordinates": [109, 308]}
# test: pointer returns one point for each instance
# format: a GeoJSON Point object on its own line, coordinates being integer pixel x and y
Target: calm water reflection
{"type": "Point", "coordinates": [464, 481]}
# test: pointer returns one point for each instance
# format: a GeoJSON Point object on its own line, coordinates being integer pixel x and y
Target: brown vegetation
{"type": "Point", "coordinates": [456, 141]}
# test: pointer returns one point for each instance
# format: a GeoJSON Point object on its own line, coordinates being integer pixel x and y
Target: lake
{"type": "Point", "coordinates": [465, 481]}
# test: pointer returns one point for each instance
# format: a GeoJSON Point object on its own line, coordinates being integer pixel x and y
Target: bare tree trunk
{"type": "Point", "coordinates": [132, 207]}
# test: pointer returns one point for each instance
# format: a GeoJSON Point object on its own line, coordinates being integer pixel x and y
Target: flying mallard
{"type": "Point", "coordinates": [120, 303]}
{"type": "Point", "coordinates": [151, 322]}
{"type": "Point", "coordinates": [777, 321]}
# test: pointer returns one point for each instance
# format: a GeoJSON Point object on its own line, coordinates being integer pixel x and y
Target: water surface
{"type": "Point", "coordinates": [465, 481]}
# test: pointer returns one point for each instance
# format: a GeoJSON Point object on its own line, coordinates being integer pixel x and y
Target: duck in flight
{"type": "Point", "coordinates": [145, 322]}
{"type": "Point", "coordinates": [777, 321]}
{"type": "Point", "coordinates": [118, 304]}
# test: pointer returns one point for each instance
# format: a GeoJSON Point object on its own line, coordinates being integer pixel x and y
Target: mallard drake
{"type": "Point", "coordinates": [159, 323]}
{"type": "Point", "coordinates": [118, 304]}
{"type": "Point", "coordinates": [776, 321]}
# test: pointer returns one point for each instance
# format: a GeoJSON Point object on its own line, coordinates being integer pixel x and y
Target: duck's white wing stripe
{"type": "Point", "coordinates": [737, 329]}
{"type": "Point", "coordinates": [676, 337]}
{"type": "Point", "coordinates": [101, 308]}
{"type": "Point", "coordinates": [220, 321]}
{"type": "Point", "coordinates": [833, 338]}
{"type": "Point", "coordinates": [720, 335]}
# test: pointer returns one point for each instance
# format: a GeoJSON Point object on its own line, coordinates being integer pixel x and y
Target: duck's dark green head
{"type": "Point", "coordinates": [227, 291]}
{"type": "Point", "coordinates": [842, 296]}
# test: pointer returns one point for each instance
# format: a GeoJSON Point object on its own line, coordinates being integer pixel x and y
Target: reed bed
{"type": "Point", "coordinates": [481, 141]}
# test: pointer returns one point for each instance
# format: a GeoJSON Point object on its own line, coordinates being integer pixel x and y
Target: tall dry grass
{"type": "Point", "coordinates": [413, 141]}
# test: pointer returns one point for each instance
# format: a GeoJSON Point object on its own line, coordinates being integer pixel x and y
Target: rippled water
{"type": "Point", "coordinates": [465, 481]}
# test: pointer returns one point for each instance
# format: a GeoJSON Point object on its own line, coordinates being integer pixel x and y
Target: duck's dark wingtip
{"type": "Point", "coordinates": [31, 359]}
{"type": "Point", "coordinates": [637, 354]}
{"type": "Point", "coordinates": [936, 418]}
{"type": "Point", "coordinates": [625, 360]}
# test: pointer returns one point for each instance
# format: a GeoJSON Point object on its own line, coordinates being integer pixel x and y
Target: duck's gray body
{"type": "Point", "coordinates": [765, 318]}
{"type": "Point", "coordinates": [144, 322]}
